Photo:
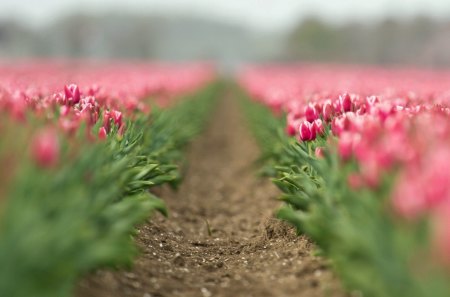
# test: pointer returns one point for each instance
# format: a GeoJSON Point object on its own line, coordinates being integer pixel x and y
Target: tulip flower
{"type": "Point", "coordinates": [307, 131]}
{"type": "Point", "coordinates": [311, 113]}
{"type": "Point", "coordinates": [292, 128]}
{"type": "Point", "coordinates": [45, 148]}
{"type": "Point", "coordinates": [327, 111]}
{"type": "Point", "coordinates": [72, 94]}
{"type": "Point", "coordinates": [102, 134]}
{"type": "Point", "coordinates": [107, 120]}
{"type": "Point", "coordinates": [346, 103]}
{"type": "Point", "coordinates": [340, 124]}
{"type": "Point", "coordinates": [117, 117]}
{"type": "Point", "coordinates": [318, 127]}
{"type": "Point", "coordinates": [121, 130]}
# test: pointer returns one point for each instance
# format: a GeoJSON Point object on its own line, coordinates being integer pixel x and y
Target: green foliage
{"type": "Point", "coordinates": [372, 250]}
{"type": "Point", "coordinates": [62, 222]}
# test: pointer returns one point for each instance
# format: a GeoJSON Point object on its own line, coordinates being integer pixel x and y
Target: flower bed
{"type": "Point", "coordinates": [362, 162]}
{"type": "Point", "coordinates": [81, 146]}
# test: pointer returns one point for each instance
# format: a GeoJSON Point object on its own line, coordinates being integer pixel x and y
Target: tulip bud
{"type": "Point", "coordinates": [311, 113]}
{"type": "Point", "coordinates": [339, 124]}
{"type": "Point", "coordinates": [372, 100]}
{"type": "Point", "coordinates": [106, 120]}
{"type": "Point", "coordinates": [45, 148]}
{"type": "Point", "coordinates": [361, 110]}
{"type": "Point", "coordinates": [346, 103]}
{"type": "Point", "coordinates": [337, 106]}
{"type": "Point", "coordinates": [102, 133]}
{"type": "Point", "coordinates": [318, 127]}
{"type": "Point", "coordinates": [291, 129]}
{"type": "Point", "coordinates": [59, 98]}
{"type": "Point", "coordinates": [307, 131]}
{"type": "Point", "coordinates": [117, 117]}
{"type": "Point", "coordinates": [327, 110]}
{"type": "Point", "coordinates": [121, 130]}
{"type": "Point", "coordinates": [72, 94]}
{"type": "Point", "coordinates": [384, 110]}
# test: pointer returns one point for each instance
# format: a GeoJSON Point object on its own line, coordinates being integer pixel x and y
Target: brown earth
{"type": "Point", "coordinates": [221, 238]}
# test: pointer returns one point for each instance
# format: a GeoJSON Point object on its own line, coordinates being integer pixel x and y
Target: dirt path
{"type": "Point", "coordinates": [220, 239]}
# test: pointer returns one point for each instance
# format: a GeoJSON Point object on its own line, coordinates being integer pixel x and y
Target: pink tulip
{"type": "Point", "coordinates": [311, 113]}
{"type": "Point", "coordinates": [339, 125]}
{"type": "Point", "coordinates": [327, 111]}
{"type": "Point", "coordinates": [346, 103]}
{"type": "Point", "coordinates": [72, 94]}
{"type": "Point", "coordinates": [102, 134]}
{"type": "Point", "coordinates": [45, 148]}
{"type": "Point", "coordinates": [121, 130]}
{"type": "Point", "coordinates": [337, 106]}
{"type": "Point", "coordinates": [307, 131]}
{"type": "Point", "coordinates": [292, 128]}
{"type": "Point", "coordinates": [361, 110]}
{"type": "Point", "coordinates": [372, 100]}
{"type": "Point", "coordinates": [107, 120]}
{"type": "Point", "coordinates": [117, 117]}
{"type": "Point", "coordinates": [318, 127]}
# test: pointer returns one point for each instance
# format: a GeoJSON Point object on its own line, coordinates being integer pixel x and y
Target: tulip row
{"type": "Point", "coordinates": [363, 166]}
{"type": "Point", "coordinates": [77, 164]}
{"type": "Point", "coordinates": [110, 89]}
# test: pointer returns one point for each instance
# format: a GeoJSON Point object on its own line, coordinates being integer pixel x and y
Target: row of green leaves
{"type": "Point", "coordinates": [374, 252]}
{"type": "Point", "coordinates": [61, 223]}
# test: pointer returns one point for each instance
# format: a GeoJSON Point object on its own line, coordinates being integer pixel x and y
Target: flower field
{"type": "Point", "coordinates": [82, 143]}
{"type": "Point", "coordinates": [361, 155]}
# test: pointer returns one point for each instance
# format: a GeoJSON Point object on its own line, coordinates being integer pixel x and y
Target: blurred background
{"type": "Point", "coordinates": [231, 32]}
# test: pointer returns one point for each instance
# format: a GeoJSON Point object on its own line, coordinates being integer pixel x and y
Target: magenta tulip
{"type": "Point", "coordinates": [72, 94]}
{"type": "Point", "coordinates": [311, 113]}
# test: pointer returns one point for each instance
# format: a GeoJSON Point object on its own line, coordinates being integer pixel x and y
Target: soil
{"type": "Point", "coordinates": [221, 238]}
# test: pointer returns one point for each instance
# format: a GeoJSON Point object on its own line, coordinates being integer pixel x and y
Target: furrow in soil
{"type": "Point", "coordinates": [221, 238]}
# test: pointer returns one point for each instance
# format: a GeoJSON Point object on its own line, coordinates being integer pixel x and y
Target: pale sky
{"type": "Point", "coordinates": [262, 14]}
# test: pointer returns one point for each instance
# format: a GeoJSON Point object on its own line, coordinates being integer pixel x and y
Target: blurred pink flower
{"type": "Point", "coordinates": [102, 134]}
{"type": "Point", "coordinates": [311, 113]}
{"type": "Point", "coordinates": [318, 127]}
{"type": "Point", "coordinates": [72, 94]}
{"type": "Point", "coordinates": [45, 148]}
{"type": "Point", "coordinates": [346, 103]}
{"type": "Point", "coordinates": [327, 110]}
{"type": "Point", "coordinates": [319, 152]}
